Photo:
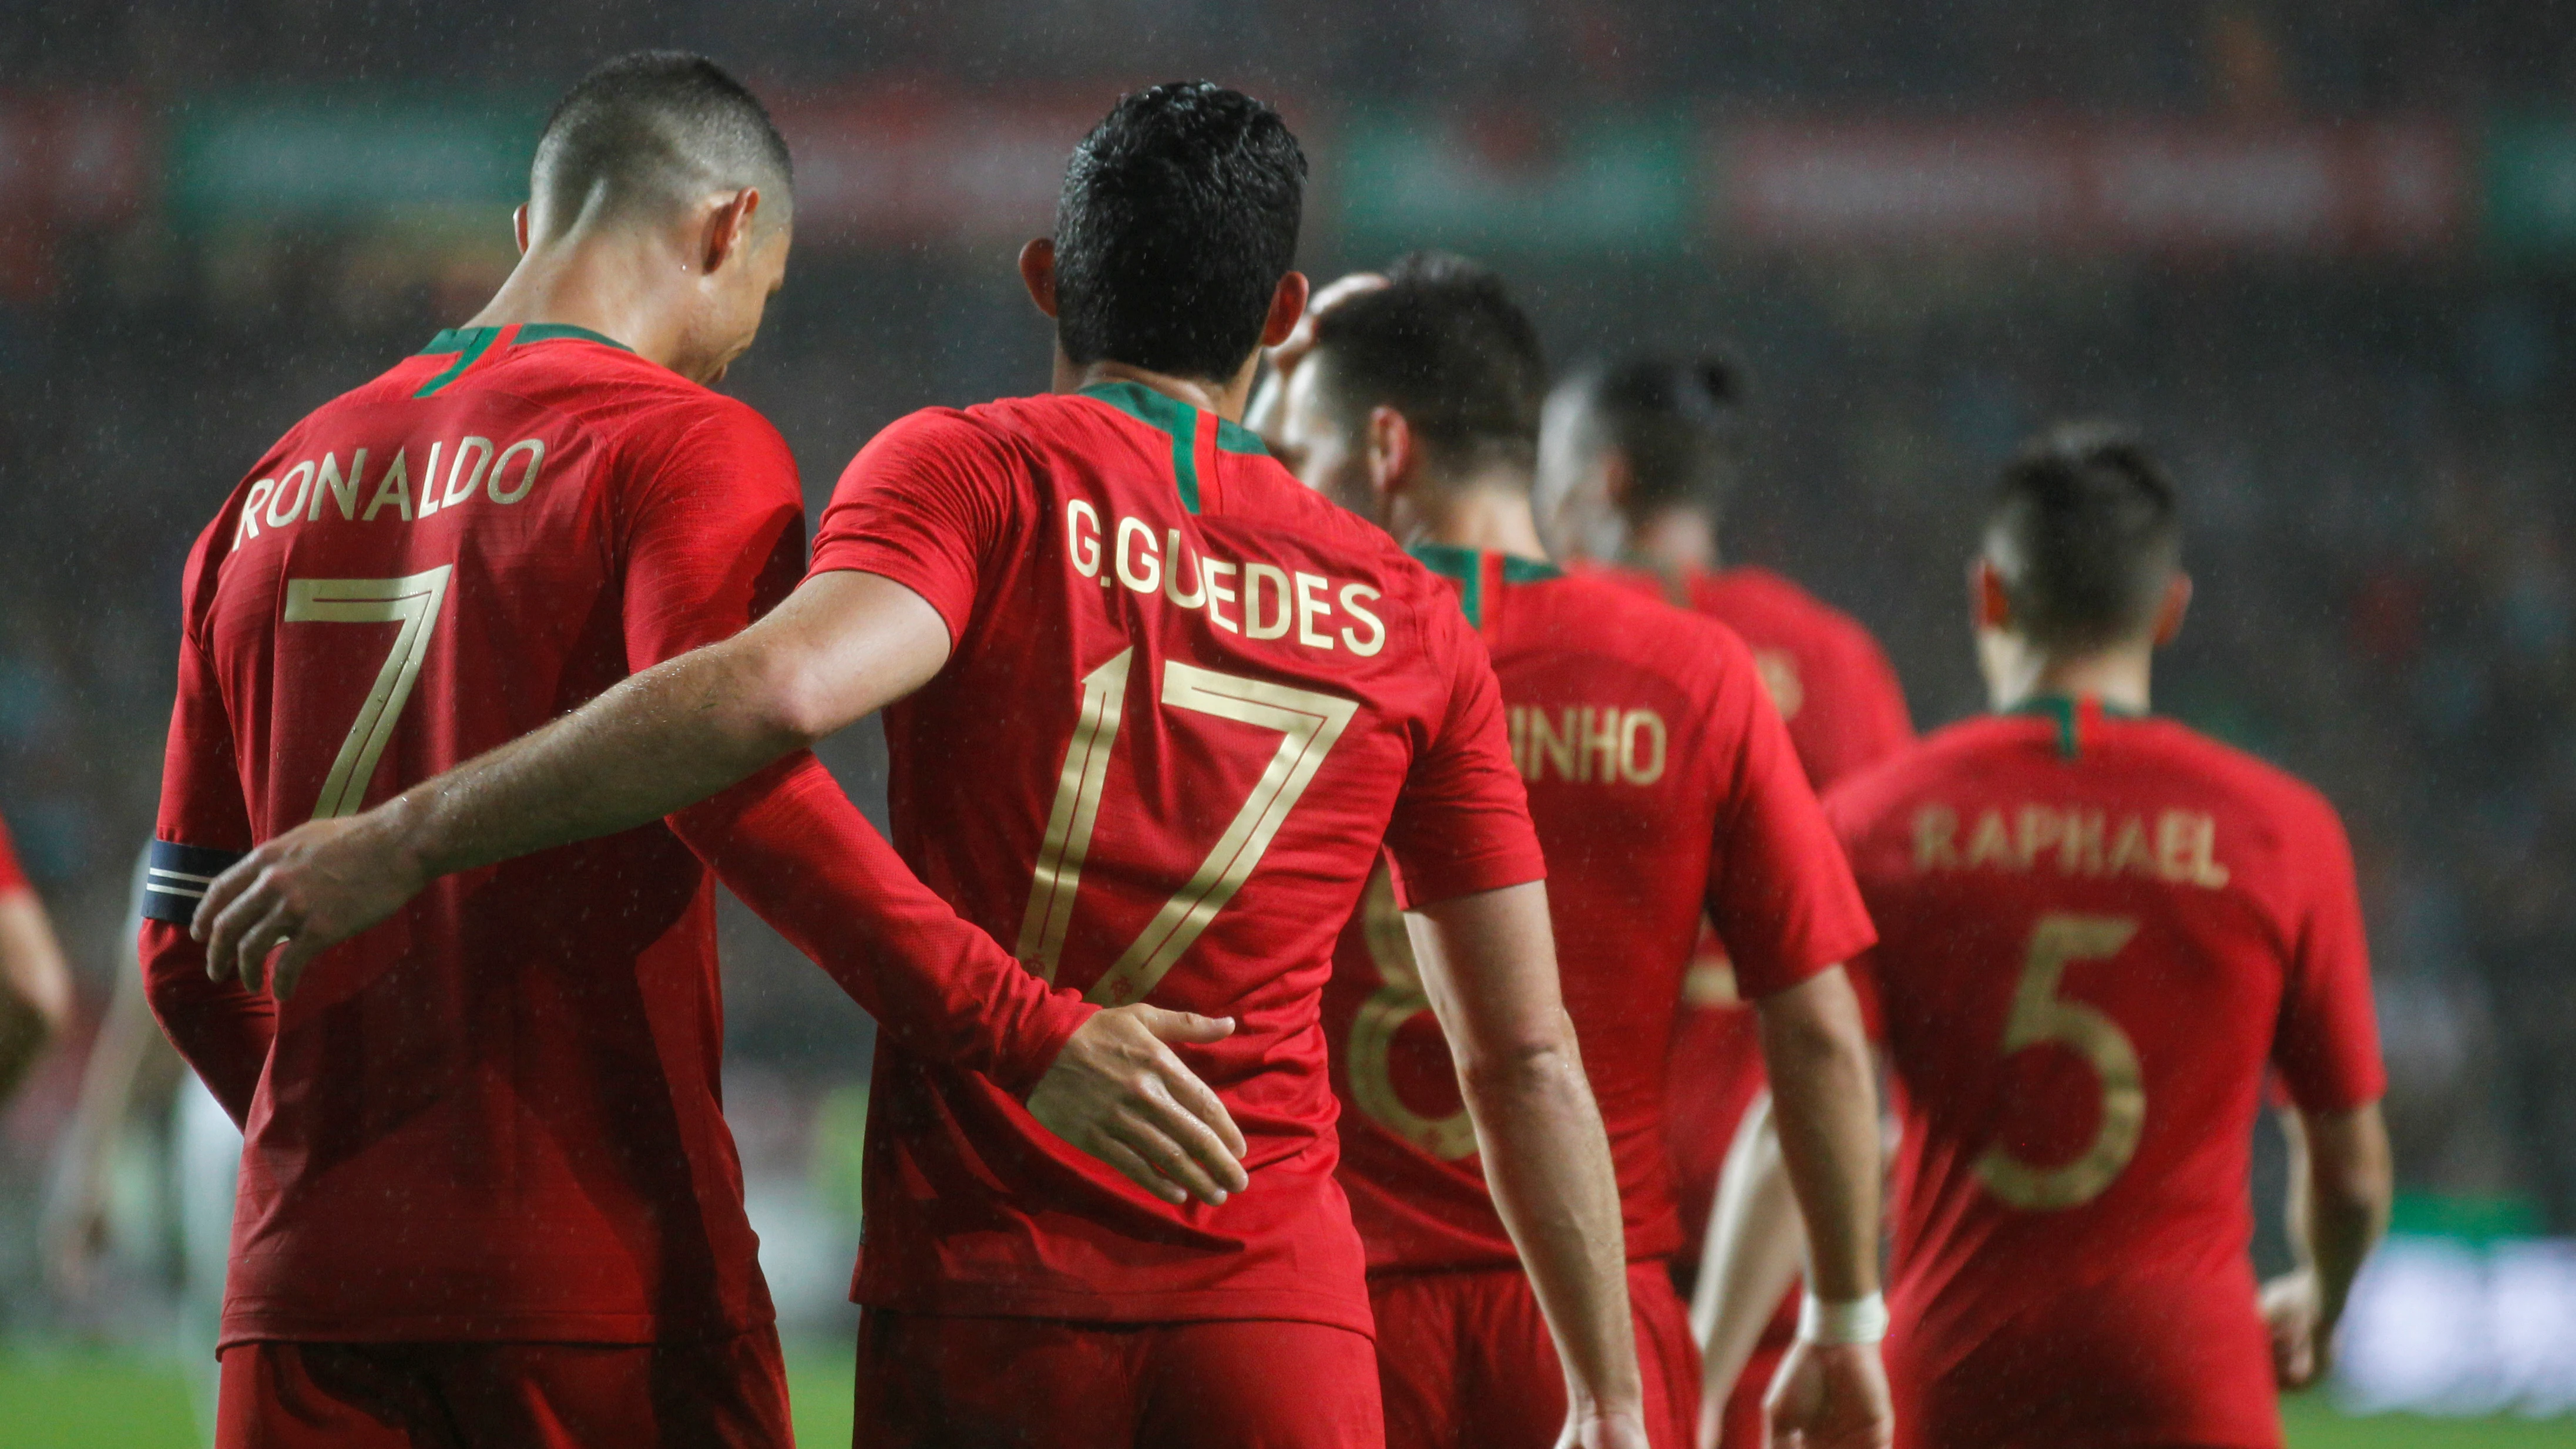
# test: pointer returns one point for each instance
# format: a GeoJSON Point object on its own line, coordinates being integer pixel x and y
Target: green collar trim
{"type": "Point", "coordinates": [564, 331]}
{"type": "Point", "coordinates": [1462, 564]}
{"type": "Point", "coordinates": [1180, 422]}
{"type": "Point", "coordinates": [1468, 567]}
{"type": "Point", "coordinates": [2068, 712]}
{"type": "Point", "coordinates": [468, 344]}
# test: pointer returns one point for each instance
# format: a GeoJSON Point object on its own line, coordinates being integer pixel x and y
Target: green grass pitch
{"type": "Point", "coordinates": [95, 1400]}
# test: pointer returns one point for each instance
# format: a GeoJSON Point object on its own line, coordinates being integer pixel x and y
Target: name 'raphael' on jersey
{"type": "Point", "coordinates": [495, 1115]}
{"type": "Point", "coordinates": [1187, 703]}
{"type": "Point", "coordinates": [2097, 933]}
{"type": "Point", "coordinates": [1662, 785]}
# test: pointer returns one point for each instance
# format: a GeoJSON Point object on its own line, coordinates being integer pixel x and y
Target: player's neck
{"type": "Point", "coordinates": [605, 284]}
{"type": "Point", "coordinates": [2017, 674]}
{"type": "Point", "coordinates": [1489, 513]}
{"type": "Point", "coordinates": [1225, 399]}
{"type": "Point", "coordinates": [1674, 543]}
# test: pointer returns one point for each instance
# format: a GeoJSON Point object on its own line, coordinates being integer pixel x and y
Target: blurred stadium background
{"type": "Point", "coordinates": [2324, 253]}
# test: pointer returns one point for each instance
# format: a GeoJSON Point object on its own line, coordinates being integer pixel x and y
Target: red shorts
{"type": "Point", "coordinates": [726, 1393]}
{"type": "Point", "coordinates": [939, 1382]}
{"type": "Point", "coordinates": [1464, 1358]}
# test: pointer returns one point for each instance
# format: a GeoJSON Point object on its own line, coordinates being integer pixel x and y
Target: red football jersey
{"type": "Point", "coordinates": [1845, 711]}
{"type": "Point", "coordinates": [2096, 936]}
{"type": "Point", "coordinates": [1188, 700]}
{"type": "Point", "coordinates": [13, 877]}
{"type": "Point", "coordinates": [495, 1116]}
{"type": "Point", "coordinates": [1662, 786]}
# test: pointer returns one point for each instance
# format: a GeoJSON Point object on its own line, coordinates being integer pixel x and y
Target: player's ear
{"type": "Point", "coordinates": [1037, 272]}
{"type": "Point", "coordinates": [519, 227]}
{"type": "Point", "coordinates": [1618, 477]}
{"type": "Point", "coordinates": [1392, 451]}
{"type": "Point", "coordinates": [2176, 603]}
{"type": "Point", "coordinates": [1287, 304]}
{"type": "Point", "coordinates": [729, 227]}
{"type": "Point", "coordinates": [1989, 607]}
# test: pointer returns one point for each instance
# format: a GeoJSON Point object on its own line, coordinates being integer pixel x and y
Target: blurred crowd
{"type": "Point", "coordinates": [2246, 54]}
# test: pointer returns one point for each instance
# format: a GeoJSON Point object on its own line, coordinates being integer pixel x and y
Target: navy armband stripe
{"type": "Point", "coordinates": [176, 877]}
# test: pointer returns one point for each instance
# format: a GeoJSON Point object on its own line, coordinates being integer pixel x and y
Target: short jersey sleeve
{"type": "Point", "coordinates": [2327, 1046]}
{"type": "Point", "coordinates": [1779, 889]}
{"type": "Point", "coordinates": [1462, 824]}
{"type": "Point", "coordinates": [713, 532]}
{"type": "Point", "coordinates": [926, 503]}
{"type": "Point", "coordinates": [13, 877]}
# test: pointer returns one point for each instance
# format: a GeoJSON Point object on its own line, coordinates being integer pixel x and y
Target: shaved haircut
{"type": "Point", "coordinates": [1444, 344]}
{"type": "Point", "coordinates": [2086, 530]}
{"type": "Point", "coordinates": [648, 133]}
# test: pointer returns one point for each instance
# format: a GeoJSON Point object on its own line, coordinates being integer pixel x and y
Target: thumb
{"type": "Point", "coordinates": [1186, 1026]}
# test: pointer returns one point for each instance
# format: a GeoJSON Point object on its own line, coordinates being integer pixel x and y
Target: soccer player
{"type": "Point", "coordinates": [35, 988]}
{"type": "Point", "coordinates": [1637, 461]}
{"type": "Point", "coordinates": [1155, 709]}
{"type": "Point", "coordinates": [2098, 932]}
{"type": "Point", "coordinates": [1662, 784]}
{"type": "Point", "coordinates": [488, 1196]}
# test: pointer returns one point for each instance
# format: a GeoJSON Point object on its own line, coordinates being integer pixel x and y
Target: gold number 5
{"type": "Point", "coordinates": [2040, 1015]}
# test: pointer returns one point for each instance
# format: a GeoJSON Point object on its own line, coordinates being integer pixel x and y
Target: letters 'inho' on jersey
{"type": "Point", "coordinates": [495, 1115]}
{"type": "Point", "coordinates": [1662, 786]}
{"type": "Point", "coordinates": [1188, 700]}
{"type": "Point", "coordinates": [2097, 933]}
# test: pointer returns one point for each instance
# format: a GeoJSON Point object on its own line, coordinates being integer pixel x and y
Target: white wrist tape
{"type": "Point", "coordinates": [1862, 1320]}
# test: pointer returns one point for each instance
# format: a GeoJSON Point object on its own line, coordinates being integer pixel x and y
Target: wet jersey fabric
{"type": "Point", "coordinates": [1188, 701]}
{"type": "Point", "coordinates": [13, 876]}
{"type": "Point", "coordinates": [496, 1115]}
{"type": "Point", "coordinates": [2097, 934]}
{"type": "Point", "coordinates": [1845, 711]}
{"type": "Point", "coordinates": [1662, 786]}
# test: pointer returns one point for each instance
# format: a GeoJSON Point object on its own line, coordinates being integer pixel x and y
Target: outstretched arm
{"type": "Point", "coordinates": [2339, 1194]}
{"type": "Point", "coordinates": [1488, 964]}
{"type": "Point", "coordinates": [843, 645]}
{"type": "Point", "coordinates": [1831, 1391]}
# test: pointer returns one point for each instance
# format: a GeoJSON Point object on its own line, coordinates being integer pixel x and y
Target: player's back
{"type": "Point", "coordinates": [1825, 672]}
{"type": "Point", "coordinates": [1639, 731]}
{"type": "Point", "coordinates": [2096, 934]}
{"type": "Point", "coordinates": [1187, 701]}
{"type": "Point", "coordinates": [495, 1115]}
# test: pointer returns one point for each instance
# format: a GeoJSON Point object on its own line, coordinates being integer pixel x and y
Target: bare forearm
{"type": "Point", "coordinates": [664, 739]}
{"type": "Point", "coordinates": [2341, 1187]}
{"type": "Point", "coordinates": [1547, 1161]}
{"type": "Point", "coordinates": [1826, 1107]}
{"type": "Point", "coordinates": [1752, 1255]}
{"type": "Point", "coordinates": [35, 986]}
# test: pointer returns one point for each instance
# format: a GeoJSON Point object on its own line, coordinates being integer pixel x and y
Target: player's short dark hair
{"type": "Point", "coordinates": [2086, 530]}
{"type": "Point", "coordinates": [1444, 344]}
{"type": "Point", "coordinates": [1178, 217]}
{"type": "Point", "coordinates": [651, 129]}
{"type": "Point", "coordinates": [1678, 421]}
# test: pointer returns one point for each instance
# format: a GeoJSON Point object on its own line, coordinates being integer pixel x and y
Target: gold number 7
{"type": "Point", "coordinates": [411, 602]}
{"type": "Point", "coordinates": [1309, 725]}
